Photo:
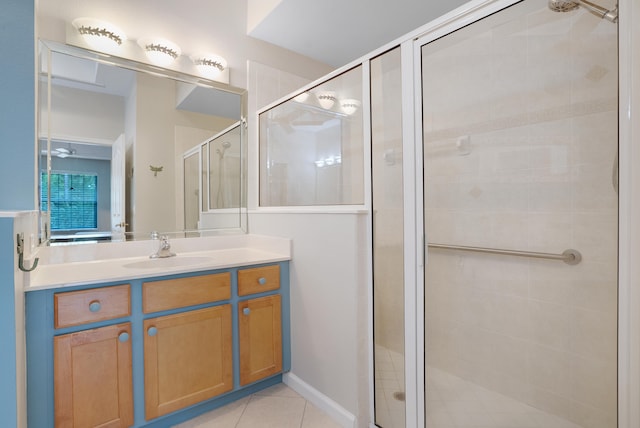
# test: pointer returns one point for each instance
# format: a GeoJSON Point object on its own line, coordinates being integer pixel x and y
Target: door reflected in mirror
{"type": "Point", "coordinates": [122, 147]}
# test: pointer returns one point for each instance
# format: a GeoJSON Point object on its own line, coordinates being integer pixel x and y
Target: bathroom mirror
{"type": "Point", "coordinates": [114, 136]}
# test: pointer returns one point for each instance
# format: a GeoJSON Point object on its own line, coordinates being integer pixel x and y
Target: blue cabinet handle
{"type": "Point", "coordinates": [123, 337]}
{"type": "Point", "coordinates": [262, 281]}
{"type": "Point", "coordinates": [95, 306]}
{"type": "Point", "coordinates": [152, 331]}
{"type": "Point", "coordinates": [246, 311]}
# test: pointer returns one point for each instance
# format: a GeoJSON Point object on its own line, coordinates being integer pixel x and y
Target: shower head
{"type": "Point", "coordinates": [567, 5]}
{"type": "Point", "coordinates": [225, 146]}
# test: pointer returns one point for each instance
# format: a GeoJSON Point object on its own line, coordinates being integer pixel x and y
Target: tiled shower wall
{"type": "Point", "coordinates": [520, 114]}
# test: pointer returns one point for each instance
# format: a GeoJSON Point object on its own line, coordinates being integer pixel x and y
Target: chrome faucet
{"type": "Point", "coordinates": [163, 249]}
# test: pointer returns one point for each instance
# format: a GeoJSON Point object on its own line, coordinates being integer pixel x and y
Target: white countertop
{"type": "Point", "coordinates": [85, 272]}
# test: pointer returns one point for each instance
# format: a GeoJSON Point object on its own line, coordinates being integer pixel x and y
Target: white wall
{"type": "Point", "coordinates": [328, 302]}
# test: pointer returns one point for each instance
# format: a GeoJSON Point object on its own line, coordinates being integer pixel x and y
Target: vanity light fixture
{"type": "Point", "coordinates": [100, 35]}
{"type": "Point", "coordinates": [350, 106]}
{"type": "Point", "coordinates": [326, 99]}
{"type": "Point", "coordinates": [160, 51]}
{"type": "Point", "coordinates": [209, 65]}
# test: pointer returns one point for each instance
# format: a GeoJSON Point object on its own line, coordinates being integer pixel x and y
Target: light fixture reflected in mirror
{"type": "Point", "coordinates": [160, 51]}
{"type": "Point", "coordinates": [100, 35]}
{"type": "Point", "coordinates": [209, 65]}
{"type": "Point", "coordinates": [329, 161]}
{"type": "Point", "coordinates": [303, 97]}
{"type": "Point", "coordinates": [326, 99]}
{"type": "Point", "coordinates": [350, 106]}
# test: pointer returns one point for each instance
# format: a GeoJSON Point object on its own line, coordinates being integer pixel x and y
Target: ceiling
{"type": "Point", "coordinates": [337, 31]}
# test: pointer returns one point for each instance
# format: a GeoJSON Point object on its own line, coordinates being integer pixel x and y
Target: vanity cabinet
{"type": "Point", "coordinates": [92, 369]}
{"type": "Point", "coordinates": [259, 324]}
{"type": "Point", "coordinates": [187, 355]}
{"type": "Point", "coordinates": [260, 328]}
{"type": "Point", "coordinates": [157, 351]}
{"type": "Point", "coordinates": [93, 378]}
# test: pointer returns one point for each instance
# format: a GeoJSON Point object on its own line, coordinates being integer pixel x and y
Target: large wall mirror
{"type": "Point", "coordinates": [127, 148]}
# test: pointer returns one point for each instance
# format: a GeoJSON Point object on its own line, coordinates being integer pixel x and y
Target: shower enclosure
{"type": "Point", "coordinates": [519, 114]}
{"type": "Point", "coordinates": [388, 257]}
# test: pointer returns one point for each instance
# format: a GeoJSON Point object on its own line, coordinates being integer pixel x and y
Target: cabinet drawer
{"type": "Point", "coordinates": [97, 304]}
{"type": "Point", "coordinates": [258, 280]}
{"type": "Point", "coordinates": [181, 292]}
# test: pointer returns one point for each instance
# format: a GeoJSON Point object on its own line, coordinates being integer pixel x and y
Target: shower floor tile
{"type": "Point", "coordinates": [452, 402]}
{"type": "Point", "coordinates": [456, 403]}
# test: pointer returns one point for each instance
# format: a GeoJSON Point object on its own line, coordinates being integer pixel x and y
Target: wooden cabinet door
{"type": "Point", "coordinates": [92, 378]}
{"type": "Point", "coordinates": [260, 331]}
{"type": "Point", "coordinates": [187, 359]}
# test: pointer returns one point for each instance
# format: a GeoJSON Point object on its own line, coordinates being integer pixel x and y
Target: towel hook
{"type": "Point", "coordinates": [20, 238]}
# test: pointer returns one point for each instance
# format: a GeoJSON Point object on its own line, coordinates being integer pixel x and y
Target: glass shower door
{"type": "Point", "coordinates": [520, 155]}
{"type": "Point", "coordinates": [388, 256]}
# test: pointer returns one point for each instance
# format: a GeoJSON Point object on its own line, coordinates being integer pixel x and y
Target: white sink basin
{"type": "Point", "coordinates": [168, 262]}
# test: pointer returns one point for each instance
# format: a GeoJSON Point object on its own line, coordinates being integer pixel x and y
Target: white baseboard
{"type": "Point", "coordinates": [338, 413]}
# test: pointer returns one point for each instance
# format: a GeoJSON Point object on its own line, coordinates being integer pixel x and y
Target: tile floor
{"type": "Point", "coordinates": [389, 377]}
{"type": "Point", "coordinates": [276, 407]}
{"type": "Point", "coordinates": [452, 402]}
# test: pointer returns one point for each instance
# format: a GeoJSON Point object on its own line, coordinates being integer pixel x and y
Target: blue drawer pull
{"type": "Point", "coordinates": [152, 331]}
{"type": "Point", "coordinates": [123, 337]}
{"type": "Point", "coordinates": [95, 306]}
{"type": "Point", "coordinates": [262, 281]}
{"type": "Point", "coordinates": [246, 311]}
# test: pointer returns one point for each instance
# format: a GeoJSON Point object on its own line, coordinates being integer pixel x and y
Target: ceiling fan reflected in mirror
{"type": "Point", "coordinates": [61, 152]}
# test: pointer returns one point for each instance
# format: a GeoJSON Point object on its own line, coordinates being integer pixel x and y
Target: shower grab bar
{"type": "Point", "coordinates": [570, 256]}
